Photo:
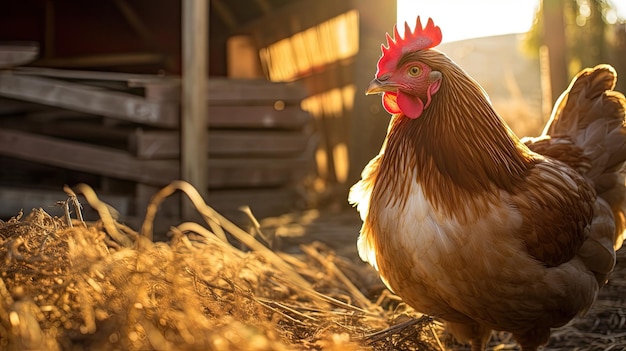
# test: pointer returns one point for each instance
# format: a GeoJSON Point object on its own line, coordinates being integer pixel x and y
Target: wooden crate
{"type": "Point", "coordinates": [119, 126]}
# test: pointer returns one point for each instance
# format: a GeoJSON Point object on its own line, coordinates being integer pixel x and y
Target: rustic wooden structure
{"type": "Point", "coordinates": [258, 150]}
{"type": "Point", "coordinates": [126, 127]}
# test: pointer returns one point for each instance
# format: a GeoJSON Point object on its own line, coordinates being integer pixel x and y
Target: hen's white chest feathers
{"type": "Point", "coordinates": [413, 240]}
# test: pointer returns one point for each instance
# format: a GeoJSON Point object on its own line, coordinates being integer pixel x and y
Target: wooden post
{"type": "Point", "coordinates": [194, 118]}
{"type": "Point", "coordinates": [554, 33]}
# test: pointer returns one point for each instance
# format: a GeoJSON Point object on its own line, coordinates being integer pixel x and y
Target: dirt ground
{"type": "Point", "coordinates": [294, 283]}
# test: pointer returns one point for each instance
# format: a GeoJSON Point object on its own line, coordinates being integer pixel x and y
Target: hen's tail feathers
{"type": "Point", "coordinates": [587, 131]}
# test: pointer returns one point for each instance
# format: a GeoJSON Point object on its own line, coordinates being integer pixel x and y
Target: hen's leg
{"type": "Point", "coordinates": [532, 339]}
{"type": "Point", "coordinates": [478, 335]}
{"type": "Point", "coordinates": [478, 345]}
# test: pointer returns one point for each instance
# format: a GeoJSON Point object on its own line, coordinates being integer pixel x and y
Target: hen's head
{"type": "Point", "coordinates": [407, 85]}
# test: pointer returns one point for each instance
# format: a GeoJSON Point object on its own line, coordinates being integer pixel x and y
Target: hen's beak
{"type": "Point", "coordinates": [377, 86]}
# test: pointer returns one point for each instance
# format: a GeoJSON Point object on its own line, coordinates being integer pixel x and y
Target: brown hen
{"type": "Point", "coordinates": [471, 225]}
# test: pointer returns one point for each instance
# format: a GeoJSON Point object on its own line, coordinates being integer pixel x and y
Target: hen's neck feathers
{"type": "Point", "coordinates": [460, 147]}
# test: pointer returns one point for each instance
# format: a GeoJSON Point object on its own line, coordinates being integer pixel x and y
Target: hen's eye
{"type": "Point", "coordinates": [415, 71]}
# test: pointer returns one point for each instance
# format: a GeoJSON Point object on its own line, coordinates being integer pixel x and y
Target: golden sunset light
{"type": "Point", "coordinates": [293, 174]}
{"type": "Point", "coordinates": [461, 19]}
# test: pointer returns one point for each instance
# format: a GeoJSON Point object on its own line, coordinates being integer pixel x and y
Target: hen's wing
{"type": "Point", "coordinates": [586, 131]}
{"type": "Point", "coordinates": [556, 205]}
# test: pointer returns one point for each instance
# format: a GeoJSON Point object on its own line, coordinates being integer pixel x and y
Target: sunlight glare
{"type": "Point", "coordinates": [461, 19]}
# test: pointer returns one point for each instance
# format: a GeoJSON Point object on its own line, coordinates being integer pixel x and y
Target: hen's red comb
{"type": "Point", "coordinates": [419, 39]}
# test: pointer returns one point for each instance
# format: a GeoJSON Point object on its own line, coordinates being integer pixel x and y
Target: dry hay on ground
{"type": "Point", "coordinates": [70, 285]}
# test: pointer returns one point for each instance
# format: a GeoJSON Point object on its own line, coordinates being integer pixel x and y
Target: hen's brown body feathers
{"type": "Point", "coordinates": [467, 223]}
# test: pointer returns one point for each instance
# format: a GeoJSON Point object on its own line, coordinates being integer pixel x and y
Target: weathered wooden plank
{"type": "Point", "coordinates": [234, 173]}
{"type": "Point", "coordinates": [254, 143]}
{"type": "Point", "coordinates": [69, 125]}
{"type": "Point", "coordinates": [89, 75]}
{"type": "Point", "coordinates": [291, 117]}
{"type": "Point", "coordinates": [157, 88]}
{"type": "Point", "coordinates": [13, 199]}
{"type": "Point", "coordinates": [11, 107]}
{"type": "Point", "coordinates": [104, 60]}
{"type": "Point", "coordinates": [159, 144]}
{"type": "Point", "coordinates": [261, 172]}
{"type": "Point", "coordinates": [222, 173]}
{"type": "Point", "coordinates": [89, 99]}
{"type": "Point", "coordinates": [219, 90]}
{"type": "Point", "coordinates": [232, 104]}
{"type": "Point", "coordinates": [85, 157]}
{"type": "Point", "coordinates": [253, 91]}
{"type": "Point", "coordinates": [15, 54]}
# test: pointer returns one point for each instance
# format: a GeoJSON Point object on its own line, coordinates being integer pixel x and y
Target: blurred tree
{"type": "Point", "coordinates": [590, 34]}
